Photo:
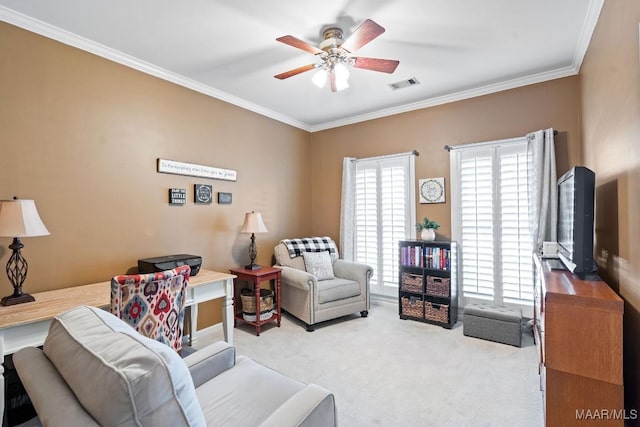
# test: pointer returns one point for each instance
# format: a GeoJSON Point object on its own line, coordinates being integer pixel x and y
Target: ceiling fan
{"type": "Point", "coordinates": [335, 55]}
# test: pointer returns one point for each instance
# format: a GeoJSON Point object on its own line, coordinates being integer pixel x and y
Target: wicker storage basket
{"type": "Point", "coordinates": [411, 282]}
{"type": "Point", "coordinates": [413, 307]}
{"type": "Point", "coordinates": [438, 286]}
{"type": "Point", "coordinates": [436, 312]}
{"type": "Point", "coordinates": [248, 298]}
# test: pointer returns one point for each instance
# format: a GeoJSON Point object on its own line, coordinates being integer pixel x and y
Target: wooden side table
{"type": "Point", "coordinates": [256, 277]}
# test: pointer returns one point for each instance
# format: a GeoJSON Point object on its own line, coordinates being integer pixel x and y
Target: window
{"type": "Point", "coordinates": [490, 218]}
{"type": "Point", "coordinates": [384, 213]}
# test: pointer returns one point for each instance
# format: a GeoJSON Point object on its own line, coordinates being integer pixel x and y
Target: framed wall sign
{"type": "Point", "coordinates": [431, 190]}
{"type": "Point", "coordinates": [224, 198]}
{"type": "Point", "coordinates": [200, 171]}
{"type": "Point", "coordinates": [202, 193]}
{"type": "Point", "coordinates": [177, 196]}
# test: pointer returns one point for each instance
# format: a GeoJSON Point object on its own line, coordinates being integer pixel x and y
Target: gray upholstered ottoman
{"type": "Point", "coordinates": [493, 322]}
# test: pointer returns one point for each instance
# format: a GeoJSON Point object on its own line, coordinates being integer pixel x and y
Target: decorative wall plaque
{"type": "Point", "coordinates": [432, 190]}
{"type": "Point", "coordinates": [177, 196]}
{"type": "Point", "coordinates": [203, 194]}
{"type": "Point", "coordinates": [200, 171]}
{"type": "Point", "coordinates": [224, 198]}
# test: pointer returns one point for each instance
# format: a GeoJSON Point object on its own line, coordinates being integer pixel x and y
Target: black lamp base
{"type": "Point", "coordinates": [253, 266]}
{"type": "Point", "coordinates": [16, 299]}
{"type": "Point", "coordinates": [17, 271]}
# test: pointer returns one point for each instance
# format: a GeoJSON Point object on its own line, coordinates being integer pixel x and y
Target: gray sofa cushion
{"type": "Point", "coordinates": [120, 377]}
{"type": "Point", "coordinates": [224, 398]}
{"type": "Point", "coordinates": [337, 289]}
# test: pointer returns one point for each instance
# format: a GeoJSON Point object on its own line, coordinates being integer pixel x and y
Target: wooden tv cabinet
{"type": "Point", "coordinates": [578, 332]}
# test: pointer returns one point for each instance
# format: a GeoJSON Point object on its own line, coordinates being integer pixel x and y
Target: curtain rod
{"type": "Point", "coordinates": [476, 144]}
{"type": "Point", "coordinates": [414, 152]}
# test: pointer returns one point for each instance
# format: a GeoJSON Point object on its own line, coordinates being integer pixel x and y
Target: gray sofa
{"type": "Point", "coordinates": [312, 300]}
{"type": "Point", "coordinates": [96, 370]}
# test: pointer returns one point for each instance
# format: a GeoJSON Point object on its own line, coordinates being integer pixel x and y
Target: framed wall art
{"type": "Point", "coordinates": [203, 194]}
{"type": "Point", "coordinates": [431, 190]}
{"type": "Point", "coordinates": [199, 171]}
{"type": "Point", "coordinates": [177, 196]}
{"type": "Point", "coordinates": [224, 198]}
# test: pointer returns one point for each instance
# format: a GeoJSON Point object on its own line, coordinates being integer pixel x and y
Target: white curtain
{"type": "Point", "coordinates": [543, 199]}
{"type": "Point", "coordinates": [347, 209]}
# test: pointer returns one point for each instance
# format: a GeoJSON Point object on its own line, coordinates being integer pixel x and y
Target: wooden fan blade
{"type": "Point", "coordinates": [376, 64]}
{"type": "Point", "coordinates": [366, 32]}
{"type": "Point", "coordinates": [295, 71]}
{"type": "Point", "coordinates": [300, 44]}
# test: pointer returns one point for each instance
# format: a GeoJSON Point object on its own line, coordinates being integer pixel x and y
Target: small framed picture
{"type": "Point", "coordinates": [432, 190]}
{"type": "Point", "coordinates": [177, 196]}
{"type": "Point", "coordinates": [203, 194]}
{"type": "Point", "coordinates": [224, 198]}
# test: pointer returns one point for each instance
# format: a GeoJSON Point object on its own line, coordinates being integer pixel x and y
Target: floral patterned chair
{"type": "Point", "coordinates": [153, 304]}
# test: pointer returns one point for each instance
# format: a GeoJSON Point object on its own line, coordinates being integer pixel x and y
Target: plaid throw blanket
{"type": "Point", "coordinates": [310, 244]}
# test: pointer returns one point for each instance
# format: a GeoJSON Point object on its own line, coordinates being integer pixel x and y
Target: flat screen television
{"type": "Point", "coordinates": [576, 190]}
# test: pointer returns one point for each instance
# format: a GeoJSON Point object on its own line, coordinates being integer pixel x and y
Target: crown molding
{"type": "Point", "coordinates": [47, 30]}
{"type": "Point", "coordinates": [453, 97]}
{"type": "Point", "coordinates": [588, 27]}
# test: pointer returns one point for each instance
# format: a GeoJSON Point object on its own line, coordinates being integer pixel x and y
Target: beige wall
{"type": "Point", "coordinates": [610, 91]}
{"type": "Point", "coordinates": [502, 115]}
{"type": "Point", "coordinates": [81, 135]}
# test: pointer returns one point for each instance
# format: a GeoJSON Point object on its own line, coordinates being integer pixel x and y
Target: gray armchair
{"type": "Point", "coordinates": [314, 299]}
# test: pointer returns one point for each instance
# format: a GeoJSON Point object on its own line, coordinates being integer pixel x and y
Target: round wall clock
{"type": "Point", "coordinates": [432, 190]}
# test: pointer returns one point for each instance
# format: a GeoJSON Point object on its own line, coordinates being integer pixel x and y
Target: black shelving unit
{"type": "Point", "coordinates": [428, 282]}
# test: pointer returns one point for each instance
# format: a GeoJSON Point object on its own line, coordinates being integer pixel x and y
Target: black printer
{"type": "Point", "coordinates": [168, 262]}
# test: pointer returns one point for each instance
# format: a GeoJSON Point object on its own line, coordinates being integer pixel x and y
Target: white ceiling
{"type": "Point", "coordinates": [456, 49]}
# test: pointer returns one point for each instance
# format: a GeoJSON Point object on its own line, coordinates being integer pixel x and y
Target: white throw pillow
{"type": "Point", "coordinates": [119, 376]}
{"type": "Point", "coordinates": [319, 264]}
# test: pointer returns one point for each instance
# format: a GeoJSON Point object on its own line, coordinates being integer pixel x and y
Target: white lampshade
{"type": "Point", "coordinates": [253, 223]}
{"type": "Point", "coordinates": [19, 218]}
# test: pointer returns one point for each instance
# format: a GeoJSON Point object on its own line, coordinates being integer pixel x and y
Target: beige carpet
{"type": "Point", "coordinates": [390, 372]}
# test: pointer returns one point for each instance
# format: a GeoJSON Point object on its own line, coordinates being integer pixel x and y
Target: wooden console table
{"type": "Point", "coordinates": [27, 324]}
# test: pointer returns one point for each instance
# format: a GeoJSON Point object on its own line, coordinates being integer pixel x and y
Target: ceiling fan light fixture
{"type": "Point", "coordinates": [341, 84]}
{"type": "Point", "coordinates": [332, 39]}
{"type": "Point", "coordinates": [335, 54]}
{"type": "Point", "coordinates": [342, 72]}
{"type": "Point", "coordinates": [342, 76]}
{"type": "Point", "coordinates": [320, 78]}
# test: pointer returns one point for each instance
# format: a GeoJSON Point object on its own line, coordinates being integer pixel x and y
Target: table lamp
{"type": "Point", "coordinates": [253, 224]}
{"type": "Point", "coordinates": [19, 218]}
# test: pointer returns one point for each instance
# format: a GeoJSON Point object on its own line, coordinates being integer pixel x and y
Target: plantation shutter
{"type": "Point", "coordinates": [516, 244]}
{"type": "Point", "coordinates": [490, 219]}
{"type": "Point", "coordinates": [394, 184]}
{"type": "Point", "coordinates": [384, 214]}
{"type": "Point", "coordinates": [476, 194]}
{"type": "Point", "coordinates": [366, 219]}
